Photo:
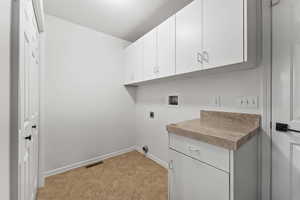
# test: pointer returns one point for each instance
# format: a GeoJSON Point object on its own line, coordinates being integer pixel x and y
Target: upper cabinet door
{"type": "Point", "coordinates": [166, 48]}
{"type": "Point", "coordinates": [150, 55]}
{"type": "Point", "coordinates": [129, 64]}
{"type": "Point", "coordinates": [139, 60]}
{"type": "Point", "coordinates": [223, 32]}
{"type": "Point", "coordinates": [134, 62]}
{"type": "Point", "coordinates": [189, 37]}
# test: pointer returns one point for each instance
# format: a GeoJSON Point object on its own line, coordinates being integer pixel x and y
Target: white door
{"type": "Point", "coordinates": [223, 32]}
{"type": "Point", "coordinates": [28, 102]}
{"type": "Point", "coordinates": [286, 100]}
{"type": "Point", "coordinates": [150, 55]}
{"type": "Point", "coordinates": [34, 105]}
{"type": "Point", "coordinates": [191, 179]}
{"type": "Point", "coordinates": [166, 48]}
{"type": "Point", "coordinates": [189, 38]}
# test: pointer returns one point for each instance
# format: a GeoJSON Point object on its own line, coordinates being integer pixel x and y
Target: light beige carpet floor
{"type": "Point", "coordinates": [127, 177]}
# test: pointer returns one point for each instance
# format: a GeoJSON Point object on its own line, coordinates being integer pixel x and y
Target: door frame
{"type": "Point", "coordinates": [38, 8]}
{"type": "Point", "coordinates": [41, 168]}
{"type": "Point", "coordinates": [266, 93]}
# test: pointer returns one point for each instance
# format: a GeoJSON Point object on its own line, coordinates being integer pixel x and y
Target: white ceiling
{"type": "Point", "coordinates": [126, 19]}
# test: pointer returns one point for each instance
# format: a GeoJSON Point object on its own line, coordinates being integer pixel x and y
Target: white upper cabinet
{"type": "Point", "coordinates": [159, 51]}
{"type": "Point", "coordinates": [134, 62]}
{"type": "Point", "coordinates": [205, 34]}
{"type": "Point", "coordinates": [150, 55]}
{"type": "Point", "coordinates": [166, 48]}
{"type": "Point", "coordinates": [223, 32]}
{"type": "Point", "coordinates": [129, 58]}
{"type": "Point", "coordinates": [139, 60]}
{"type": "Point", "coordinates": [189, 38]}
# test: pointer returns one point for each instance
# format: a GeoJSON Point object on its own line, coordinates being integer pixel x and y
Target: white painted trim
{"type": "Point", "coordinates": [154, 158]}
{"type": "Point", "coordinates": [158, 161]}
{"type": "Point", "coordinates": [245, 30]}
{"type": "Point", "coordinates": [87, 162]}
{"type": "Point", "coordinates": [41, 180]}
{"type": "Point", "coordinates": [39, 14]}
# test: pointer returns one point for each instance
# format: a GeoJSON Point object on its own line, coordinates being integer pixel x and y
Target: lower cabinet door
{"type": "Point", "coordinates": [191, 179]}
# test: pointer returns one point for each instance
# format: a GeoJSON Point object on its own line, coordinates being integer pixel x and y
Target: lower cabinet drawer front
{"type": "Point", "coordinates": [210, 154]}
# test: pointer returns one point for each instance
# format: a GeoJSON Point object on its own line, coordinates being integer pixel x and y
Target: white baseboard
{"type": "Point", "coordinates": [154, 158]}
{"type": "Point", "coordinates": [103, 157]}
{"type": "Point", "coordinates": [87, 162]}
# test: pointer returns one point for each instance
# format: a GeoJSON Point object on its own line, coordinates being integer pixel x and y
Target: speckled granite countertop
{"type": "Point", "coordinates": [224, 129]}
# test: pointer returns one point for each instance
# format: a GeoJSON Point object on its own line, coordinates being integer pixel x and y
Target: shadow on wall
{"type": "Point", "coordinates": [131, 90]}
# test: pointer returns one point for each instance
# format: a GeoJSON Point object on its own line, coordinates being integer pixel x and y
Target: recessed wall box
{"type": "Point", "coordinates": [173, 100]}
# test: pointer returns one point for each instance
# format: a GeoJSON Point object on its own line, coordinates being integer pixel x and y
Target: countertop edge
{"type": "Point", "coordinates": [213, 140]}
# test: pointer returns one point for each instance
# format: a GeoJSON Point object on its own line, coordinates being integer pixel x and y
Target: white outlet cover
{"type": "Point", "coordinates": [247, 102]}
{"type": "Point", "coordinates": [240, 102]}
{"type": "Point", "coordinates": [215, 101]}
{"type": "Point", "coordinates": [253, 102]}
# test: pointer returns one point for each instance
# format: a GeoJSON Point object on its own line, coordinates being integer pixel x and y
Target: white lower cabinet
{"type": "Point", "coordinates": [201, 171]}
{"type": "Point", "coordinates": [191, 179]}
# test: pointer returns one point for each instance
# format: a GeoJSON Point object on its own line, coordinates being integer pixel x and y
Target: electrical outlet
{"type": "Point", "coordinates": [241, 102]}
{"type": "Point", "coordinates": [247, 102]}
{"type": "Point", "coordinates": [253, 102]}
{"type": "Point", "coordinates": [215, 101]}
{"type": "Point", "coordinates": [151, 115]}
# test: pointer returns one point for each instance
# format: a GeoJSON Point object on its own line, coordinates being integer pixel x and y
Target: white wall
{"type": "Point", "coordinates": [195, 94]}
{"type": "Point", "coordinates": [5, 10]}
{"type": "Point", "coordinates": [87, 111]}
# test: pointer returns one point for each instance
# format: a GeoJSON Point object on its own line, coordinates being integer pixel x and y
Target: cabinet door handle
{"type": "Point", "coordinates": [206, 56]}
{"type": "Point", "coordinates": [275, 3]}
{"type": "Point", "coordinates": [199, 58]}
{"type": "Point", "coordinates": [171, 164]}
{"type": "Point", "coordinates": [194, 149]}
{"type": "Point", "coordinates": [155, 70]}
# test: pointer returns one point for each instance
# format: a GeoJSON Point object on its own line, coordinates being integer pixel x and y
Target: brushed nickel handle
{"type": "Point", "coordinates": [155, 70]}
{"type": "Point", "coordinates": [199, 58]}
{"type": "Point", "coordinates": [171, 164]}
{"type": "Point", "coordinates": [206, 56]}
{"type": "Point", "coordinates": [194, 149]}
